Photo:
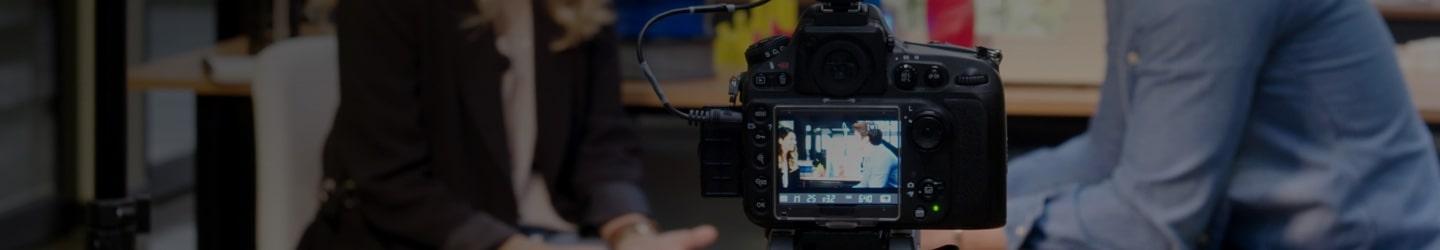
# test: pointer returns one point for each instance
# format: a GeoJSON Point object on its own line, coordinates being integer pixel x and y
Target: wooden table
{"type": "Point", "coordinates": [1409, 13]}
{"type": "Point", "coordinates": [1024, 95]}
{"type": "Point", "coordinates": [185, 72]}
{"type": "Point", "coordinates": [1041, 80]}
{"type": "Point", "coordinates": [1021, 98]}
{"type": "Point", "coordinates": [1025, 99]}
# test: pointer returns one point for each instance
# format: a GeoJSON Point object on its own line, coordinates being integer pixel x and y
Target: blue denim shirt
{"type": "Point", "coordinates": [1238, 123]}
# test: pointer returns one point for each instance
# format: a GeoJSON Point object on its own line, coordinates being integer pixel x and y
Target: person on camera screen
{"type": "Point", "coordinates": [855, 154]}
{"type": "Point", "coordinates": [877, 163]}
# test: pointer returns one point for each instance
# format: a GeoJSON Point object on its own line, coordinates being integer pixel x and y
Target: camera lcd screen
{"type": "Point", "coordinates": [837, 157]}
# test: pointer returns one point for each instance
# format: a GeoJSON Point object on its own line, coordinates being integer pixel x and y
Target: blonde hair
{"type": "Point", "coordinates": [581, 19]}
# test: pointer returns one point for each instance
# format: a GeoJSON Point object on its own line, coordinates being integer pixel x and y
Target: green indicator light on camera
{"type": "Point", "coordinates": [935, 208]}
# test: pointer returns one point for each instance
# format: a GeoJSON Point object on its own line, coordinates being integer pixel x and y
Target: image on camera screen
{"type": "Point", "coordinates": [842, 156]}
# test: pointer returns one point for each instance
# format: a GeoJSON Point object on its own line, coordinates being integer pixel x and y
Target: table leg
{"type": "Point", "coordinates": [225, 173]}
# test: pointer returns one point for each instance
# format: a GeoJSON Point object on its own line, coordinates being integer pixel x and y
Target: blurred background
{"type": "Point", "coordinates": [208, 108]}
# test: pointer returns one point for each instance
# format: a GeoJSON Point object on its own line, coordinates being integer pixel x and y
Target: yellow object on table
{"type": "Point", "coordinates": [779, 17]}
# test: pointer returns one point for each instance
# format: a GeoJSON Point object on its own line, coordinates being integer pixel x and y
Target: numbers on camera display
{"type": "Point", "coordinates": [838, 198]}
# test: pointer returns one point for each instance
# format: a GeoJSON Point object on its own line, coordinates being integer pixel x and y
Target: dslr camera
{"type": "Point", "coordinates": [843, 127]}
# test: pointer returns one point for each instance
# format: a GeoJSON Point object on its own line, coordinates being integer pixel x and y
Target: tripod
{"type": "Point", "coordinates": [809, 239]}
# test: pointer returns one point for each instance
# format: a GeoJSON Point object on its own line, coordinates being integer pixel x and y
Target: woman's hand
{"type": "Point", "coordinates": [635, 231]}
{"type": "Point", "coordinates": [520, 242]}
{"type": "Point", "coordinates": [683, 239]}
{"type": "Point", "coordinates": [965, 239]}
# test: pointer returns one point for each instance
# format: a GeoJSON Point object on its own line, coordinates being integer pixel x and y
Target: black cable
{"type": "Point", "coordinates": [694, 116]}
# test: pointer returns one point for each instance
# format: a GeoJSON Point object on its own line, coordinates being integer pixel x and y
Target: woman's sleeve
{"type": "Point", "coordinates": [609, 169]}
{"type": "Point", "coordinates": [378, 140]}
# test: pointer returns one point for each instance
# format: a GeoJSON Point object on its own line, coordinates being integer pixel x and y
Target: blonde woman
{"type": "Point", "coordinates": [477, 124]}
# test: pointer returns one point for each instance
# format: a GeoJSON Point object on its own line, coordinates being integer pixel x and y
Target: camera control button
{"type": "Point", "coordinates": [936, 76]}
{"type": "Point", "coordinates": [761, 139]}
{"type": "Point", "coordinates": [761, 205]}
{"type": "Point", "coordinates": [919, 213]}
{"type": "Point", "coordinates": [760, 80]}
{"type": "Point", "coordinates": [929, 189]}
{"type": "Point", "coordinates": [760, 160]}
{"type": "Point", "coordinates": [762, 182]}
{"type": "Point", "coordinates": [905, 77]}
{"type": "Point", "coordinates": [910, 189]}
{"type": "Point", "coordinates": [782, 79]}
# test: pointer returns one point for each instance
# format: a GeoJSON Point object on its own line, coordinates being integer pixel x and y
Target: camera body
{"type": "Point", "coordinates": [845, 127]}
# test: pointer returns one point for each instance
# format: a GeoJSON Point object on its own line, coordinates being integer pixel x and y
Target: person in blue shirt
{"type": "Point", "coordinates": [877, 163]}
{"type": "Point", "coordinates": [1238, 124]}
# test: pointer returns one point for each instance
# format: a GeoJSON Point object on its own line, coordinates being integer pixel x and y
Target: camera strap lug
{"type": "Point", "coordinates": [993, 55]}
{"type": "Point", "coordinates": [734, 88]}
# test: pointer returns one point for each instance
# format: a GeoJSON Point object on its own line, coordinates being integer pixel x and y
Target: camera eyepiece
{"type": "Point", "coordinates": [840, 68]}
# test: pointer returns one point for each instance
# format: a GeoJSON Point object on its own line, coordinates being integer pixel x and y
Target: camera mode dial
{"type": "Point", "coordinates": [763, 50]}
{"type": "Point", "coordinates": [906, 76]}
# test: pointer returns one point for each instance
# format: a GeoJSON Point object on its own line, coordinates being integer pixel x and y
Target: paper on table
{"type": "Point", "coordinates": [1435, 3]}
{"type": "Point", "coordinates": [1072, 55]}
{"type": "Point", "coordinates": [223, 69]}
{"type": "Point", "coordinates": [1041, 18]}
{"type": "Point", "coordinates": [1422, 54]}
{"type": "Point", "coordinates": [908, 19]}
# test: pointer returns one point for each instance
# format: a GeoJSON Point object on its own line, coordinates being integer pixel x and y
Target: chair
{"type": "Point", "coordinates": [296, 91]}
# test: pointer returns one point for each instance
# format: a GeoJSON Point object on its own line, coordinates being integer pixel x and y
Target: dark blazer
{"type": "Point", "coordinates": [419, 131]}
